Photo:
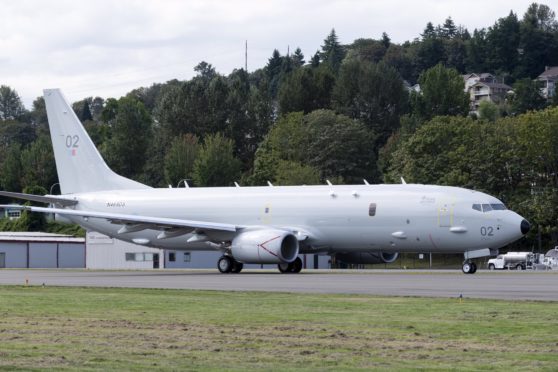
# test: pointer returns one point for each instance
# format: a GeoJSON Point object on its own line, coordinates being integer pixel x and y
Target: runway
{"type": "Point", "coordinates": [509, 285]}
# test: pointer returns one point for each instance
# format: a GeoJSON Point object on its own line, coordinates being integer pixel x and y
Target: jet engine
{"type": "Point", "coordinates": [267, 246]}
{"type": "Point", "coordinates": [367, 257]}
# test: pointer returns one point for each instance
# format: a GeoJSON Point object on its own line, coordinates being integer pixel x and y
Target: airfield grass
{"type": "Point", "coordinates": [133, 329]}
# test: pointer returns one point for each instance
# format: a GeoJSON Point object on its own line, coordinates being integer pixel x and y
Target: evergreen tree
{"type": "Point", "coordinates": [298, 58]}
{"type": "Point", "coordinates": [11, 107]}
{"type": "Point", "coordinates": [332, 52]}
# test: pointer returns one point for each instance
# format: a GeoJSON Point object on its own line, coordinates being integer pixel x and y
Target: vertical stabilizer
{"type": "Point", "coordinates": [80, 166]}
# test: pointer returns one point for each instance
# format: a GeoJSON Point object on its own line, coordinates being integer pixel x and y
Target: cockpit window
{"type": "Point", "coordinates": [489, 207]}
{"type": "Point", "coordinates": [498, 207]}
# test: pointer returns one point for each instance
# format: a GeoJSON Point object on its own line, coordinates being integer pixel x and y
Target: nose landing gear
{"type": "Point", "coordinates": [469, 267]}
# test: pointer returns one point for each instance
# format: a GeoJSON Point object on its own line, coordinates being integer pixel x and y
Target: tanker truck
{"type": "Point", "coordinates": [512, 260]}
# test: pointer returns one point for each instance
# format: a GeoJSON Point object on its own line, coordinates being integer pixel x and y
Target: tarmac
{"type": "Point", "coordinates": [507, 285]}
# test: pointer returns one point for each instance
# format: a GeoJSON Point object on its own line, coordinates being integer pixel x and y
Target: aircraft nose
{"type": "Point", "coordinates": [525, 226]}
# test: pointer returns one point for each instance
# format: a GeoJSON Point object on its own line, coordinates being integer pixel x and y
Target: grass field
{"type": "Point", "coordinates": [131, 329]}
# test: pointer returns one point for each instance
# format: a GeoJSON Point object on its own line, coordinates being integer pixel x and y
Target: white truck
{"type": "Point", "coordinates": [512, 260]}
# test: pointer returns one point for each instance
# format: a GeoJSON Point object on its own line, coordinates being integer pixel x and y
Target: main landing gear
{"type": "Point", "coordinates": [469, 267]}
{"type": "Point", "coordinates": [227, 264]}
{"type": "Point", "coordinates": [293, 267]}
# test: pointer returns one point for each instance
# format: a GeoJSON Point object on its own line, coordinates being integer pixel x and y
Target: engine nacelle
{"type": "Point", "coordinates": [367, 257]}
{"type": "Point", "coordinates": [267, 246]}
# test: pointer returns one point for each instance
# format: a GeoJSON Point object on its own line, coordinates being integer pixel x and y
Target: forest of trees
{"type": "Point", "coordinates": [342, 114]}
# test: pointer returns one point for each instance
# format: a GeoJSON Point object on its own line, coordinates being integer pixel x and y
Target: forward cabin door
{"type": "Point", "coordinates": [445, 213]}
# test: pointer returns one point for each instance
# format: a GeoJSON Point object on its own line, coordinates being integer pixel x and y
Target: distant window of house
{"type": "Point", "coordinates": [187, 257]}
{"type": "Point", "coordinates": [172, 256]}
{"type": "Point", "coordinates": [148, 256]}
{"type": "Point", "coordinates": [372, 209]}
{"type": "Point", "coordinates": [14, 215]}
{"type": "Point", "coordinates": [130, 256]}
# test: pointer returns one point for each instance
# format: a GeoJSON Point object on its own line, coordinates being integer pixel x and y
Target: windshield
{"type": "Point", "coordinates": [489, 207]}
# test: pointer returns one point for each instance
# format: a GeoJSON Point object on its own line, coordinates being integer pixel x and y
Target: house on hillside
{"type": "Point", "coordinates": [473, 78]}
{"type": "Point", "coordinates": [484, 87]}
{"type": "Point", "coordinates": [548, 80]}
{"type": "Point", "coordinates": [484, 91]}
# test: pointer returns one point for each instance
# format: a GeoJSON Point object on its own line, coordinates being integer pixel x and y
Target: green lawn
{"type": "Point", "coordinates": [108, 329]}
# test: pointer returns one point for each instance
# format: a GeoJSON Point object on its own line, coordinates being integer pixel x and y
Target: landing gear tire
{"type": "Point", "coordinates": [491, 267]}
{"type": "Point", "coordinates": [225, 264]}
{"type": "Point", "coordinates": [291, 268]}
{"type": "Point", "coordinates": [297, 265]}
{"type": "Point", "coordinates": [285, 268]}
{"type": "Point", "coordinates": [473, 268]}
{"type": "Point", "coordinates": [236, 267]}
{"type": "Point", "coordinates": [468, 268]}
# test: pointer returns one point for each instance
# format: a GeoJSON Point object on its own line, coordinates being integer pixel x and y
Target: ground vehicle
{"type": "Point", "coordinates": [512, 260]}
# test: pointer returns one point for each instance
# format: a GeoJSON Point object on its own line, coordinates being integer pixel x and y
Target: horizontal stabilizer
{"type": "Point", "coordinates": [48, 199]}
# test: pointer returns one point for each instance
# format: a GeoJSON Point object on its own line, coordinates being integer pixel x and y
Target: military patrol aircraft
{"type": "Point", "coordinates": [270, 225]}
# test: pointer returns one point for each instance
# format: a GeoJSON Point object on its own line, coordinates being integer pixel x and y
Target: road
{"type": "Point", "coordinates": [507, 285]}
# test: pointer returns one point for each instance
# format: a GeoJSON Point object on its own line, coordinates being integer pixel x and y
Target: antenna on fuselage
{"type": "Point", "coordinates": [329, 183]}
{"type": "Point", "coordinates": [236, 184]}
{"type": "Point", "coordinates": [403, 181]}
{"type": "Point", "coordinates": [366, 182]}
{"type": "Point", "coordinates": [269, 184]}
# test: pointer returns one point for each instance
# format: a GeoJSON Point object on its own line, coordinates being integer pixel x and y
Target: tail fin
{"type": "Point", "coordinates": [80, 166]}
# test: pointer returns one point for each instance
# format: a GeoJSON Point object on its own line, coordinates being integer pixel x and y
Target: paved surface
{"type": "Point", "coordinates": [519, 285]}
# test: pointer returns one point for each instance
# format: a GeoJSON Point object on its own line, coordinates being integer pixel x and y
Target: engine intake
{"type": "Point", "coordinates": [367, 257]}
{"type": "Point", "coordinates": [267, 246]}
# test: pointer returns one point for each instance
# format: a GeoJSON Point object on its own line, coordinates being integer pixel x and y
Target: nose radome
{"type": "Point", "coordinates": [525, 227]}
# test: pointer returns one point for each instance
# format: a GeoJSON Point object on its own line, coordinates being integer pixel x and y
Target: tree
{"type": "Point", "coordinates": [367, 50]}
{"type": "Point", "coordinates": [306, 89]}
{"type": "Point", "coordinates": [372, 93]}
{"type": "Point", "coordinates": [10, 175]}
{"type": "Point", "coordinates": [126, 151]}
{"type": "Point", "coordinates": [298, 58]}
{"type": "Point", "coordinates": [294, 173]}
{"type": "Point", "coordinates": [340, 147]}
{"type": "Point", "coordinates": [448, 29]}
{"type": "Point", "coordinates": [488, 111]}
{"type": "Point", "coordinates": [179, 160]}
{"type": "Point", "coordinates": [502, 43]}
{"type": "Point", "coordinates": [334, 145]}
{"type": "Point", "coordinates": [332, 52]}
{"type": "Point", "coordinates": [441, 93]}
{"type": "Point", "coordinates": [526, 96]}
{"type": "Point", "coordinates": [39, 114]}
{"type": "Point", "coordinates": [11, 107]}
{"type": "Point", "coordinates": [538, 43]}
{"type": "Point", "coordinates": [38, 166]}
{"type": "Point", "coordinates": [476, 51]}
{"type": "Point", "coordinates": [215, 164]}
{"type": "Point", "coordinates": [81, 108]}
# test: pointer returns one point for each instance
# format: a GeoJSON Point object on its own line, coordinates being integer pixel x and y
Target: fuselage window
{"type": "Point", "coordinates": [372, 209]}
{"type": "Point", "coordinates": [477, 207]}
{"type": "Point", "coordinates": [486, 208]}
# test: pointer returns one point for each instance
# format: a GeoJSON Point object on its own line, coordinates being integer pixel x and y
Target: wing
{"type": "Point", "coordinates": [136, 223]}
{"type": "Point", "coordinates": [49, 199]}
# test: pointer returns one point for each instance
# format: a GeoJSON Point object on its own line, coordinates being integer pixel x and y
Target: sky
{"type": "Point", "coordinates": [108, 47]}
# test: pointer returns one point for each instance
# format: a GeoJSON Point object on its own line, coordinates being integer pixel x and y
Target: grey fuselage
{"type": "Point", "coordinates": [406, 218]}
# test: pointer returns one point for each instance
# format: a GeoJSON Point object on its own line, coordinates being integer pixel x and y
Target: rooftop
{"type": "Point", "coordinates": [36, 236]}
